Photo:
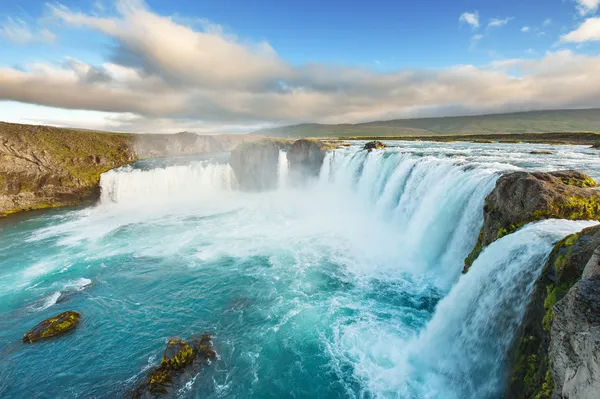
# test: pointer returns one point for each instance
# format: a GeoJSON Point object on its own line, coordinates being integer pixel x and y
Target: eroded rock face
{"type": "Point", "coordinates": [181, 360]}
{"type": "Point", "coordinates": [575, 343]}
{"type": "Point", "coordinates": [306, 158]}
{"type": "Point", "coordinates": [52, 327]}
{"type": "Point", "coordinates": [255, 164]}
{"type": "Point", "coordinates": [522, 197]}
{"type": "Point", "coordinates": [551, 321]}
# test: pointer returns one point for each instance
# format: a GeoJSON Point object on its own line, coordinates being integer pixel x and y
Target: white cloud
{"type": "Point", "coordinates": [589, 30]}
{"type": "Point", "coordinates": [547, 22]}
{"type": "Point", "coordinates": [496, 22]}
{"type": "Point", "coordinates": [471, 18]}
{"type": "Point", "coordinates": [525, 29]}
{"type": "Point", "coordinates": [215, 82]}
{"type": "Point", "coordinates": [587, 6]}
{"type": "Point", "coordinates": [17, 31]}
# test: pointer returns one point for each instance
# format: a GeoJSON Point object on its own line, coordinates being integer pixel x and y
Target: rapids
{"type": "Point", "coordinates": [350, 286]}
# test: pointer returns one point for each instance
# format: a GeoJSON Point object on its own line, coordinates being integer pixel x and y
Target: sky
{"type": "Point", "coordinates": [235, 66]}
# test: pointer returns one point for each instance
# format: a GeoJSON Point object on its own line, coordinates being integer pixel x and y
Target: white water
{"type": "Point", "coordinates": [283, 170]}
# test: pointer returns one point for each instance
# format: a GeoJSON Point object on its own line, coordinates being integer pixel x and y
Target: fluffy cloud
{"type": "Point", "coordinates": [589, 30]}
{"type": "Point", "coordinates": [525, 29]}
{"type": "Point", "coordinates": [587, 6]}
{"type": "Point", "coordinates": [17, 31]}
{"type": "Point", "coordinates": [471, 18]}
{"type": "Point", "coordinates": [165, 75]}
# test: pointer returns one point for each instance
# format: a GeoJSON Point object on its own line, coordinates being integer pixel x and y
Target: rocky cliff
{"type": "Point", "coordinates": [521, 197]}
{"type": "Point", "coordinates": [43, 167]}
{"type": "Point", "coordinates": [255, 164]}
{"type": "Point", "coordinates": [556, 352]}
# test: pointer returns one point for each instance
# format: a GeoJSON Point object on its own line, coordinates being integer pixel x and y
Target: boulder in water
{"type": "Point", "coordinates": [52, 327]}
{"type": "Point", "coordinates": [596, 145]}
{"type": "Point", "coordinates": [523, 197]}
{"type": "Point", "coordinates": [541, 152]}
{"type": "Point", "coordinates": [374, 145]}
{"type": "Point", "coordinates": [180, 361]}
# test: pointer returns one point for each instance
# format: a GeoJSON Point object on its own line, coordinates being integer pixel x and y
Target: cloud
{"type": "Point", "coordinates": [216, 82]}
{"type": "Point", "coordinates": [471, 18]}
{"type": "Point", "coordinates": [525, 29]}
{"type": "Point", "coordinates": [588, 31]}
{"type": "Point", "coordinates": [547, 22]}
{"type": "Point", "coordinates": [587, 6]}
{"type": "Point", "coordinates": [496, 22]}
{"type": "Point", "coordinates": [17, 31]}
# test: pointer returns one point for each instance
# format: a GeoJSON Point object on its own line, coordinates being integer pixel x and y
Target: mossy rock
{"type": "Point", "coordinates": [178, 358]}
{"type": "Point", "coordinates": [52, 327]}
{"type": "Point", "coordinates": [541, 152]}
{"type": "Point", "coordinates": [521, 197]}
{"type": "Point", "coordinates": [374, 145]}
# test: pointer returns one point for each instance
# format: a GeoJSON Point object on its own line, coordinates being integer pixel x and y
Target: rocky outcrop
{"type": "Point", "coordinates": [255, 164]}
{"type": "Point", "coordinates": [556, 351]}
{"type": "Point", "coordinates": [306, 158]}
{"type": "Point", "coordinates": [180, 362]}
{"type": "Point", "coordinates": [374, 145]}
{"type": "Point", "coordinates": [46, 167]}
{"type": "Point", "coordinates": [52, 327]}
{"type": "Point", "coordinates": [522, 197]}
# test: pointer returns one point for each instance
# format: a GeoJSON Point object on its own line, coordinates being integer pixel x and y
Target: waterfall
{"type": "Point", "coordinates": [434, 204]}
{"type": "Point", "coordinates": [462, 350]}
{"type": "Point", "coordinates": [283, 170]}
{"type": "Point", "coordinates": [191, 181]}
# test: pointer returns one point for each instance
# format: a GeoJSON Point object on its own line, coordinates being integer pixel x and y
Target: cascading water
{"type": "Point", "coordinates": [283, 170]}
{"type": "Point", "coordinates": [349, 287]}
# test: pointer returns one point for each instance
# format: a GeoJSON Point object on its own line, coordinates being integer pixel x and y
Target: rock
{"type": "Point", "coordinates": [52, 327]}
{"type": "Point", "coordinates": [374, 145]}
{"type": "Point", "coordinates": [596, 145]}
{"type": "Point", "coordinates": [255, 164]}
{"type": "Point", "coordinates": [530, 374]}
{"type": "Point", "coordinates": [180, 362]}
{"type": "Point", "coordinates": [522, 197]}
{"type": "Point", "coordinates": [575, 343]}
{"type": "Point", "coordinates": [541, 152]}
{"type": "Point", "coordinates": [306, 158]}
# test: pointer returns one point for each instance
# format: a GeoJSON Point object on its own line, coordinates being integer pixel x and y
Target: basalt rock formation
{"type": "Point", "coordinates": [255, 164]}
{"type": "Point", "coordinates": [47, 167]}
{"type": "Point", "coordinates": [52, 327]}
{"type": "Point", "coordinates": [180, 362]}
{"type": "Point", "coordinates": [556, 352]}
{"type": "Point", "coordinates": [522, 197]}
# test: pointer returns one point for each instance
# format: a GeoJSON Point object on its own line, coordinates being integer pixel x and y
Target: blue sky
{"type": "Point", "coordinates": [235, 65]}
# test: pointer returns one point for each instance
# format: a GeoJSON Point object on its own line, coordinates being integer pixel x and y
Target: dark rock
{"type": "Point", "coordinates": [596, 145]}
{"type": "Point", "coordinates": [52, 327]}
{"type": "Point", "coordinates": [255, 164]}
{"type": "Point", "coordinates": [522, 197]}
{"type": "Point", "coordinates": [541, 153]}
{"type": "Point", "coordinates": [306, 158]}
{"type": "Point", "coordinates": [529, 373]}
{"type": "Point", "coordinates": [374, 145]}
{"type": "Point", "coordinates": [180, 362]}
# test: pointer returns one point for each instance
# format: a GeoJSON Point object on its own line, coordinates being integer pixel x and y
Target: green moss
{"type": "Point", "coordinates": [52, 327]}
{"type": "Point", "coordinates": [547, 386]}
{"type": "Point", "coordinates": [182, 357]}
{"type": "Point", "coordinates": [583, 183]}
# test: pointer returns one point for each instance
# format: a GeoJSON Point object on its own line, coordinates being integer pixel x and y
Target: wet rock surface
{"type": "Point", "coordinates": [374, 145]}
{"type": "Point", "coordinates": [180, 362]}
{"type": "Point", "coordinates": [521, 197]}
{"type": "Point", "coordinates": [52, 327]}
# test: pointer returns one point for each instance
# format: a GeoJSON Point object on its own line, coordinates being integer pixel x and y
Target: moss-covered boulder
{"type": "Point", "coordinates": [374, 145]}
{"type": "Point", "coordinates": [52, 327]}
{"type": "Point", "coordinates": [541, 152]}
{"type": "Point", "coordinates": [521, 197]}
{"type": "Point", "coordinates": [180, 361]}
{"type": "Point", "coordinates": [530, 368]}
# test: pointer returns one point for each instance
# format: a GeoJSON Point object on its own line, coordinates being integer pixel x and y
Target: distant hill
{"type": "Point", "coordinates": [580, 120]}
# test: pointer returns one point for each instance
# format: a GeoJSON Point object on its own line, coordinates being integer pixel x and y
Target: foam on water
{"type": "Point", "coordinates": [349, 287]}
